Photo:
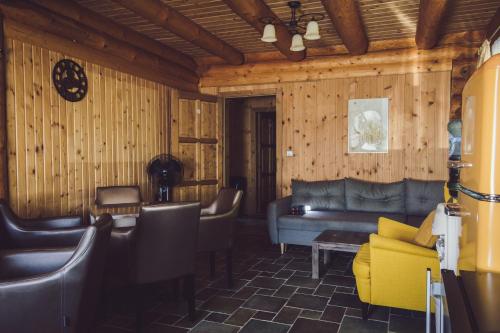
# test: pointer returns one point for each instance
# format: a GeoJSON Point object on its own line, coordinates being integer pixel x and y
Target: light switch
{"type": "Point", "coordinates": [289, 153]}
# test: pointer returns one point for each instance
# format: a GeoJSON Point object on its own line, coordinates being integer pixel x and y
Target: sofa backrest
{"type": "Point", "coordinates": [422, 196]}
{"type": "Point", "coordinates": [363, 196]}
{"type": "Point", "coordinates": [409, 196]}
{"type": "Point", "coordinates": [319, 195]}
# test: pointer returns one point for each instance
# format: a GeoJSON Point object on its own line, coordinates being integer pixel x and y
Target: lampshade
{"type": "Point", "coordinates": [312, 31]}
{"type": "Point", "coordinates": [297, 43]}
{"type": "Point", "coordinates": [269, 35]}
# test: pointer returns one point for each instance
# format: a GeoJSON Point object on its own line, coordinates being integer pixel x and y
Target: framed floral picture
{"type": "Point", "coordinates": [368, 130]}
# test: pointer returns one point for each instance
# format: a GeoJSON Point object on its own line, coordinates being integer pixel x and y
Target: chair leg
{"type": "Point", "coordinates": [283, 248]}
{"type": "Point", "coordinates": [189, 292]}
{"type": "Point", "coordinates": [229, 267]}
{"type": "Point", "coordinates": [212, 264]}
{"type": "Point", "coordinates": [365, 307]}
{"type": "Point", "coordinates": [139, 308]}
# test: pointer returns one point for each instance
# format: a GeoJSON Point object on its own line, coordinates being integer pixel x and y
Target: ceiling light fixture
{"type": "Point", "coordinates": [297, 27]}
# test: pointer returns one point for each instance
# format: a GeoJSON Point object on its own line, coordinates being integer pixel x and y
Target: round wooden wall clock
{"type": "Point", "coordinates": [70, 80]}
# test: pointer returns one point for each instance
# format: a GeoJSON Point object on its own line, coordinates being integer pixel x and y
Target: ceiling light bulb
{"type": "Point", "coordinates": [297, 43]}
{"type": "Point", "coordinates": [269, 35]}
{"type": "Point", "coordinates": [312, 31]}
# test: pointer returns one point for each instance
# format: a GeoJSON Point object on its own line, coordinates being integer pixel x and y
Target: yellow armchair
{"type": "Point", "coordinates": [391, 271]}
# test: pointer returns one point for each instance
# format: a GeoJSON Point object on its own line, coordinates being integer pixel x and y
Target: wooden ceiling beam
{"type": "Point", "coordinates": [94, 20]}
{"type": "Point", "coordinates": [165, 16]}
{"type": "Point", "coordinates": [348, 24]}
{"type": "Point", "coordinates": [430, 19]}
{"type": "Point", "coordinates": [29, 13]}
{"type": "Point", "coordinates": [32, 35]}
{"type": "Point", "coordinates": [252, 11]}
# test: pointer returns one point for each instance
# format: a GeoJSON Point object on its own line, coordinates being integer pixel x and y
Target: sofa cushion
{"type": "Point", "coordinates": [324, 220]}
{"type": "Point", "coordinates": [422, 196]}
{"type": "Point", "coordinates": [365, 196]}
{"type": "Point", "coordinates": [320, 195]}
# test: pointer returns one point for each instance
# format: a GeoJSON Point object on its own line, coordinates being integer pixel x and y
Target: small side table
{"type": "Point", "coordinates": [328, 240]}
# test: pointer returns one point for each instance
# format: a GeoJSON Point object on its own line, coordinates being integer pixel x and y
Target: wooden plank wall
{"type": "Point", "coordinates": [58, 151]}
{"type": "Point", "coordinates": [197, 135]}
{"type": "Point", "coordinates": [312, 121]}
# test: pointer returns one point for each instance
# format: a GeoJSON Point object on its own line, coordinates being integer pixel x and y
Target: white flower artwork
{"type": "Point", "coordinates": [368, 125]}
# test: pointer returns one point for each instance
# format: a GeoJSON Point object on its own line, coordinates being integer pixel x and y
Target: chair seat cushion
{"type": "Point", "coordinates": [335, 220]}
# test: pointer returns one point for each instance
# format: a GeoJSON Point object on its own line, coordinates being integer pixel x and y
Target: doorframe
{"type": "Point", "coordinates": [248, 92]}
{"type": "Point", "coordinates": [258, 157]}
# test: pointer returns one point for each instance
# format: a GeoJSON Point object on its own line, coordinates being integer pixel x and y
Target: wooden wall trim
{"type": "Point", "coordinates": [196, 95]}
{"type": "Point", "coordinates": [4, 182]}
{"type": "Point", "coordinates": [371, 64]}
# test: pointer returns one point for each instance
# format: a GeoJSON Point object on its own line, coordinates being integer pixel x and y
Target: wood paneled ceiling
{"type": "Point", "coordinates": [383, 20]}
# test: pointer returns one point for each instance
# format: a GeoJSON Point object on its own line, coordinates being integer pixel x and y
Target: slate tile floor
{"type": "Point", "coordinates": [272, 293]}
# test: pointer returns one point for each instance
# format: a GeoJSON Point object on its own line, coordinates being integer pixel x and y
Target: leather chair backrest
{"type": "Point", "coordinates": [227, 200]}
{"type": "Point", "coordinates": [82, 276]}
{"type": "Point", "coordinates": [118, 195]}
{"type": "Point", "coordinates": [166, 241]}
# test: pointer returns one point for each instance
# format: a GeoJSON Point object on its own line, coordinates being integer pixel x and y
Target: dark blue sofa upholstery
{"type": "Point", "coordinates": [350, 205]}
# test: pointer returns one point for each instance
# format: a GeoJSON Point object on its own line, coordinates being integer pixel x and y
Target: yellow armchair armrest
{"type": "Point", "coordinates": [396, 230]}
{"type": "Point", "coordinates": [380, 242]}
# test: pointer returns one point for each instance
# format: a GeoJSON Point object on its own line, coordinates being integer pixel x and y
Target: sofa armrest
{"type": "Point", "coordinates": [396, 230]}
{"type": "Point", "coordinates": [276, 209]}
{"type": "Point", "coordinates": [50, 223]}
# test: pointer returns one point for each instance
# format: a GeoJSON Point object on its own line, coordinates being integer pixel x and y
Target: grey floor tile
{"type": "Point", "coordinates": [303, 325]}
{"type": "Point", "coordinates": [399, 324]}
{"type": "Point", "coordinates": [310, 302]}
{"type": "Point", "coordinates": [211, 327]}
{"type": "Point", "coordinates": [358, 325]}
{"type": "Point", "coordinates": [265, 303]}
{"type": "Point", "coordinates": [260, 326]}
{"type": "Point", "coordinates": [240, 317]}
{"type": "Point", "coordinates": [333, 313]}
{"type": "Point", "coordinates": [222, 304]}
{"type": "Point", "coordinates": [287, 315]}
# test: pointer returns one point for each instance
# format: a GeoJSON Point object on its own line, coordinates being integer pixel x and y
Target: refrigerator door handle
{"type": "Point", "coordinates": [455, 209]}
{"type": "Point", "coordinates": [459, 164]}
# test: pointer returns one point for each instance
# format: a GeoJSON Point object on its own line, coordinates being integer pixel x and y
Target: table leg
{"type": "Point", "coordinates": [326, 257]}
{"type": "Point", "coordinates": [315, 261]}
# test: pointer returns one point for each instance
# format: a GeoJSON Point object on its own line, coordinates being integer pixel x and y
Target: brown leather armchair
{"type": "Point", "coordinates": [217, 227]}
{"type": "Point", "coordinates": [161, 247]}
{"type": "Point", "coordinates": [54, 290]}
{"type": "Point", "coordinates": [17, 233]}
{"type": "Point", "coordinates": [118, 195]}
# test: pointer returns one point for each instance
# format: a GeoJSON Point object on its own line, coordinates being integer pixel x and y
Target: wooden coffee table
{"type": "Point", "coordinates": [328, 240]}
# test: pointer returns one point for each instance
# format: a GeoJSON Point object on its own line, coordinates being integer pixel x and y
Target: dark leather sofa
{"type": "Point", "coordinates": [350, 205]}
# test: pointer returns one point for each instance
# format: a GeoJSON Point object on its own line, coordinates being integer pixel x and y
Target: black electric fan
{"type": "Point", "coordinates": [167, 171]}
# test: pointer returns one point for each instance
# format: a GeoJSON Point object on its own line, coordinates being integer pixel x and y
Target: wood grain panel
{"type": "Point", "coordinates": [60, 151]}
{"type": "Point", "coordinates": [197, 141]}
{"type": "Point", "coordinates": [383, 20]}
{"type": "Point", "coordinates": [314, 126]}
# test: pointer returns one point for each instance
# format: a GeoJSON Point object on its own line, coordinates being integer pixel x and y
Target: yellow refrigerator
{"type": "Point", "coordinates": [479, 189]}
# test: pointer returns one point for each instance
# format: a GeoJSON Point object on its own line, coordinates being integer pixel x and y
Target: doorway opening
{"type": "Point", "coordinates": [250, 154]}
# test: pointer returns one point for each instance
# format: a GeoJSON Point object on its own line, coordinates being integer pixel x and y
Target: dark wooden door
{"type": "Point", "coordinates": [266, 159]}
